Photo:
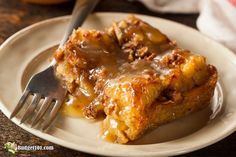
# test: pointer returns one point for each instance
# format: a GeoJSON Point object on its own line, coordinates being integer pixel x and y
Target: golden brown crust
{"type": "Point", "coordinates": [132, 124]}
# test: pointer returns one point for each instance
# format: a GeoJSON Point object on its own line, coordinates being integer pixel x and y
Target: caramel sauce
{"type": "Point", "coordinates": [99, 58]}
{"type": "Point", "coordinates": [108, 133]}
{"type": "Point", "coordinates": [114, 67]}
{"type": "Point", "coordinates": [110, 128]}
{"type": "Point", "coordinates": [74, 106]}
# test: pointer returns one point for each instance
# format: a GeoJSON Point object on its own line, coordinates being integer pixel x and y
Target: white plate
{"type": "Point", "coordinates": [21, 55]}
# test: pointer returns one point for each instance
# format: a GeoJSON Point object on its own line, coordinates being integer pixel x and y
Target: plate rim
{"type": "Point", "coordinates": [85, 149]}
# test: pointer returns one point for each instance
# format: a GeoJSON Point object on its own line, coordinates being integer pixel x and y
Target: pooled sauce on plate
{"type": "Point", "coordinates": [74, 106]}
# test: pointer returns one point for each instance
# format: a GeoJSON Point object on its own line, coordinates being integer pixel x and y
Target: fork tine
{"type": "Point", "coordinates": [52, 115]}
{"type": "Point", "coordinates": [42, 111]}
{"type": "Point", "coordinates": [20, 103]}
{"type": "Point", "coordinates": [31, 107]}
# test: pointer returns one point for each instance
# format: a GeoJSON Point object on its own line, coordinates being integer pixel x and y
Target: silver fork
{"type": "Point", "coordinates": [45, 85]}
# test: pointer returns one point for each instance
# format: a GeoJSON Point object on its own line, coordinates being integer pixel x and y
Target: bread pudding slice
{"type": "Point", "coordinates": [177, 86]}
{"type": "Point", "coordinates": [135, 76]}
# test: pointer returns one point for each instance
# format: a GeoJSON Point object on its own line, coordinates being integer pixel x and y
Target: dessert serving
{"type": "Point", "coordinates": [133, 76]}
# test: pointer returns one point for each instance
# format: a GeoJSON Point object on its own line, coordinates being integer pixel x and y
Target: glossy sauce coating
{"type": "Point", "coordinates": [100, 59]}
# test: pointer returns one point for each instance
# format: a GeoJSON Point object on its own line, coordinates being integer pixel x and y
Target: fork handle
{"type": "Point", "coordinates": [81, 10]}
